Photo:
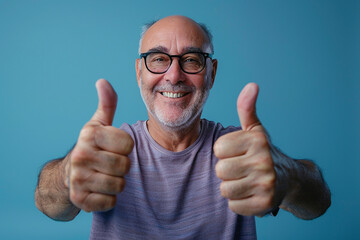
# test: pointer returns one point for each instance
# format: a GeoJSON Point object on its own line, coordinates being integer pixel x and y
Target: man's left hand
{"type": "Point", "coordinates": [245, 163]}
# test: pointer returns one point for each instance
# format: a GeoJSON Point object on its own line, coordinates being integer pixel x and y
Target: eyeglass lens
{"type": "Point", "coordinates": [190, 62]}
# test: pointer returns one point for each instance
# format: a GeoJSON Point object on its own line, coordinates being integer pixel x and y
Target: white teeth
{"type": "Point", "coordinates": [172, 94]}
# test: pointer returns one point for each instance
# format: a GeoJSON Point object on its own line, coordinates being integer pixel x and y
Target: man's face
{"type": "Point", "coordinates": [175, 98]}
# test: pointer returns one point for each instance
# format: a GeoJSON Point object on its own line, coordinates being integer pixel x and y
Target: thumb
{"type": "Point", "coordinates": [107, 103]}
{"type": "Point", "coordinates": [246, 106]}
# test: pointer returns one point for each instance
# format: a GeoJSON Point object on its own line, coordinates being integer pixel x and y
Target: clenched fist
{"type": "Point", "coordinates": [245, 163]}
{"type": "Point", "coordinates": [95, 168]}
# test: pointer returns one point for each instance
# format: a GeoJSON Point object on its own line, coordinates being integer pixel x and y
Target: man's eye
{"type": "Point", "coordinates": [191, 60]}
{"type": "Point", "coordinates": [158, 59]}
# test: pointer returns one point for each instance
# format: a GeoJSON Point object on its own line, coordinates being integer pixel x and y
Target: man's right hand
{"type": "Point", "coordinates": [95, 168]}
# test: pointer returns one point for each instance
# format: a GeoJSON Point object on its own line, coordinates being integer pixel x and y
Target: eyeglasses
{"type": "Point", "coordinates": [160, 62]}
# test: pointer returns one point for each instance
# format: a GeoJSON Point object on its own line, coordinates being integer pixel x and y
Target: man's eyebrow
{"type": "Point", "coordinates": [165, 50]}
{"type": "Point", "coordinates": [191, 49]}
{"type": "Point", "coordinates": [158, 49]}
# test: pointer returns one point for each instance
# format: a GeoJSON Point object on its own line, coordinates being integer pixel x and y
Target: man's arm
{"type": "Point", "coordinates": [52, 194]}
{"type": "Point", "coordinates": [92, 174]}
{"type": "Point", "coordinates": [307, 194]}
{"type": "Point", "coordinates": [258, 178]}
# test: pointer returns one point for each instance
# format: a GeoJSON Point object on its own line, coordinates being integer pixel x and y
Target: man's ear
{"type": "Point", "coordinates": [137, 68]}
{"type": "Point", "coordinates": [213, 74]}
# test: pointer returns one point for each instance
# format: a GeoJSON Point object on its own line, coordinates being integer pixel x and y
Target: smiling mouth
{"type": "Point", "coordinates": [173, 94]}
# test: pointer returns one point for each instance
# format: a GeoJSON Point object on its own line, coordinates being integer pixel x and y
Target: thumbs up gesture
{"type": "Point", "coordinates": [245, 163]}
{"type": "Point", "coordinates": [95, 168]}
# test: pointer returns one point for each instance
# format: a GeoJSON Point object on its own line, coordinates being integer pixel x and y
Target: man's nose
{"type": "Point", "coordinates": [174, 74]}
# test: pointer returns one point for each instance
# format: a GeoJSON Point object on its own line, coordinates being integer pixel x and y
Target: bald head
{"type": "Point", "coordinates": [180, 25]}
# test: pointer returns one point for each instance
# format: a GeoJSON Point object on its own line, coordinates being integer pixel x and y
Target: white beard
{"type": "Point", "coordinates": [189, 114]}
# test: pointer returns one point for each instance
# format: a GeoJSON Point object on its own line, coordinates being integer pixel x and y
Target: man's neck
{"type": "Point", "coordinates": [175, 140]}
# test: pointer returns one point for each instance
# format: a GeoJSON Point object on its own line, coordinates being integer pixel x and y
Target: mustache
{"type": "Point", "coordinates": [178, 87]}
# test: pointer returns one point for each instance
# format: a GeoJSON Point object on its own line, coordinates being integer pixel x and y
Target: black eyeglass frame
{"type": "Point", "coordinates": [205, 55]}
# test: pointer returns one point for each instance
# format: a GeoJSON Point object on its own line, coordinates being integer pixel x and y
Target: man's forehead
{"type": "Point", "coordinates": [178, 33]}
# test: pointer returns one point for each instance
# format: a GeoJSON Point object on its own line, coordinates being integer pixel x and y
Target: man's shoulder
{"type": "Point", "coordinates": [133, 128]}
{"type": "Point", "coordinates": [217, 128]}
{"type": "Point", "coordinates": [134, 125]}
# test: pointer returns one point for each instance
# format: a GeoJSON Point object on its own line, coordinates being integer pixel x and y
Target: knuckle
{"type": "Point", "coordinates": [76, 198]}
{"type": "Point", "coordinates": [88, 132]}
{"type": "Point", "coordinates": [266, 203]}
{"type": "Point", "coordinates": [217, 147]}
{"type": "Point", "coordinates": [118, 165]}
{"type": "Point", "coordinates": [78, 156]}
{"type": "Point", "coordinates": [87, 206]}
{"type": "Point", "coordinates": [237, 209]}
{"type": "Point", "coordinates": [262, 204]}
{"type": "Point", "coordinates": [219, 170]}
{"type": "Point", "coordinates": [259, 139]}
{"type": "Point", "coordinates": [128, 142]}
{"type": "Point", "coordinates": [266, 183]}
{"type": "Point", "coordinates": [271, 180]}
{"type": "Point", "coordinates": [99, 135]}
{"type": "Point", "coordinates": [101, 203]}
{"type": "Point", "coordinates": [112, 201]}
{"type": "Point", "coordinates": [232, 207]}
{"type": "Point", "coordinates": [76, 181]}
{"type": "Point", "coordinates": [125, 165]}
{"type": "Point", "coordinates": [222, 144]}
{"type": "Point", "coordinates": [115, 185]}
{"type": "Point", "coordinates": [267, 186]}
{"type": "Point", "coordinates": [111, 160]}
{"type": "Point", "coordinates": [225, 190]}
{"type": "Point", "coordinates": [77, 178]}
{"type": "Point", "coordinates": [81, 156]}
{"type": "Point", "coordinates": [120, 185]}
{"type": "Point", "coordinates": [108, 203]}
{"type": "Point", "coordinates": [264, 163]}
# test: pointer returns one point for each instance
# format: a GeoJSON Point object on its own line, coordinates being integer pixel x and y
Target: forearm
{"type": "Point", "coordinates": [307, 195]}
{"type": "Point", "coordinates": [52, 195]}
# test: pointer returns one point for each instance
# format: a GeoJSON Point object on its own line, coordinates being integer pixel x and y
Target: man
{"type": "Point", "coordinates": [177, 176]}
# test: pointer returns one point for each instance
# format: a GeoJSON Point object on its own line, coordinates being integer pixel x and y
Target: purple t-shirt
{"type": "Point", "coordinates": [172, 195]}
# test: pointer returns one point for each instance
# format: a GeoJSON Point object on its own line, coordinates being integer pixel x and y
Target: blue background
{"type": "Point", "coordinates": [303, 54]}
